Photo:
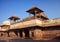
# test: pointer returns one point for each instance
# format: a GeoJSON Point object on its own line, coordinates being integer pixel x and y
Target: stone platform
{"type": "Point", "coordinates": [29, 40]}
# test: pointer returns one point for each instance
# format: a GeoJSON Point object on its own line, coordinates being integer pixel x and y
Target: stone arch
{"type": "Point", "coordinates": [1, 34]}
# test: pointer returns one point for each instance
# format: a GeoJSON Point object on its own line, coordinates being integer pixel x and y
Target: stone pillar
{"type": "Point", "coordinates": [18, 35]}
{"type": "Point", "coordinates": [23, 35]}
{"type": "Point", "coordinates": [30, 35]}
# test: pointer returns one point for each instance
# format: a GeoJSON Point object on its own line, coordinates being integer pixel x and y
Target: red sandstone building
{"type": "Point", "coordinates": [36, 27]}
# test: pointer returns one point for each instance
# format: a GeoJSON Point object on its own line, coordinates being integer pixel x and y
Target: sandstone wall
{"type": "Point", "coordinates": [51, 34]}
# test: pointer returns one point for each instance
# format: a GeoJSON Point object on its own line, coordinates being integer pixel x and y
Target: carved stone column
{"type": "Point", "coordinates": [23, 35]}
{"type": "Point", "coordinates": [30, 34]}
{"type": "Point", "coordinates": [18, 35]}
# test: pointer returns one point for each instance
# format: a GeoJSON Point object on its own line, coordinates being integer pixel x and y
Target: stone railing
{"type": "Point", "coordinates": [34, 22]}
{"type": "Point", "coordinates": [51, 22]}
{"type": "Point", "coordinates": [26, 24]}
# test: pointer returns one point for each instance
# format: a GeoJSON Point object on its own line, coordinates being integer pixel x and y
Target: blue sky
{"type": "Point", "coordinates": [19, 7]}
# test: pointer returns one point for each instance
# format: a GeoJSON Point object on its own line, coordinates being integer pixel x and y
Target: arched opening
{"type": "Point", "coordinates": [1, 34]}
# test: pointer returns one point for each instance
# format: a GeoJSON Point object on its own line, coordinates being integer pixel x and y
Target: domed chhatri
{"type": "Point", "coordinates": [34, 9]}
{"type": "Point", "coordinates": [6, 22]}
{"type": "Point", "coordinates": [37, 12]}
{"type": "Point", "coordinates": [14, 17]}
{"type": "Point", "coordinates": [5, 25]}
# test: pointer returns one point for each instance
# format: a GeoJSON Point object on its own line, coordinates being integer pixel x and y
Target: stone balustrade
{"type": "Point", "coordinates": [26, 24]}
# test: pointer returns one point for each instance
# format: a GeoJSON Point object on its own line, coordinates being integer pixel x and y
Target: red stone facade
{"type": "Point", "coordinates": [37, 27]}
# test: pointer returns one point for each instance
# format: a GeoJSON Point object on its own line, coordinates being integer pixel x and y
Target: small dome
{"type": "Point", "coordinates": [6, 22]}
